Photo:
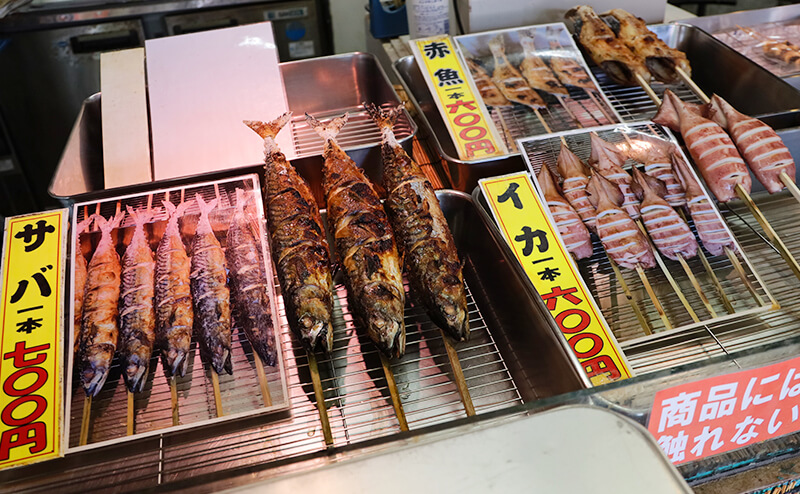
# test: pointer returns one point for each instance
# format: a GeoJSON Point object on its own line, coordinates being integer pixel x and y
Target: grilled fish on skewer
{"type": "Point", "coordinates": [671, 235]}
{"type": "Point", "coordinates": [100, 330]}
{"type": "Point", "coordinates": [299, 246]}
{"type": "Point", "coordinates": [709, 226]}
{"type": "Point", "coordinates": [610, 169]}
{"type": "Point", "coordinates": [249, 283]}
{"type": "Point", "coordinates": [655, 154]}
{"type": "Point", "coordinates": [212, 310]}
{"type": "Point", "coordinates": [785, 51]}
{"type": "Point", "coordinates": [608, 52]}
{"type": "Point", "coordinates": [572, 230]}
{"type": "Point", "coordinates": [568, 71]}
{"type": "Point", "coordinates": [576, 178]}
{"type": "Point", "coordinates": [429, 250]}
{"type": "Point", "coordinates": [80, 283]}
{"type": "Point", "coordinates": [535, 71]}
{"type": "Point", "coordinates": [489, 92]}
{"type": "Point", "coordinates": [137, 320]}
{"type": "Point", "coordinates": [667, 114]}
{"type": "Point", "coordinates": [660, 59]}
{"type": "Point", "coordinates": [364, 244]}
{"type": "Point", "coordinates": [173, 297]}
{"type": "Point", "coordinates": [714, 154]}
{"type": "Point", "coordinates": [764, 151]}
{"type": "Point", "coordinates": [509, 80]}
{"type": "Point", "coordinates": [624, 242]}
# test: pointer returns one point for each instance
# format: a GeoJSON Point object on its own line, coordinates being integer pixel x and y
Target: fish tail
{"type": "Point", "coordinates": [107, 225]}
{"type": "Point", "coordinates": [142, 215]}
{"type": "Point", "coordinates": [171, 209]}
{"type": "Point", "coordinates": [241, 199]}
{"type": "Point", "coordinates": [269, 129]}
{"type": "Point", "coordinates": [327, 131]}
{"type": "Point", "coordinates": [205, 207]}
{"type": "Point", "coordinates": [384, 118]}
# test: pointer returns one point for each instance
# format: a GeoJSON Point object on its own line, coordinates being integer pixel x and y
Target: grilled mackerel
{"type": "Point", "coordinates": [173, 297]}
{"type": "Point", "coordinates": [80, 283]}
{"type": "Point", "coordinates": [137, 319]}
{"type": "Point", "coordinates": [212, 310]}
{"type": "Point", "coordinates": [430, 254]}
{"type": "Point", "coordinates": [249, 282]}
{"type": "Point", "coordinates": [299, 247]}
{"type": "Point", "coordinates": [364, 244]}
{"type": "Point", "coordinates": [99, 330]}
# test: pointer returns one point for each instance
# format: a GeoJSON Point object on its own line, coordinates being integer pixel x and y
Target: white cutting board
{"type": "Point", "coordinates": [201, 86]}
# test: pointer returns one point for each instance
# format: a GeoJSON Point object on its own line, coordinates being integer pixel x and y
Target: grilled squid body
{"type": "Point", "coordinates": [80, 284]}
{"type": "Point", "coordinates": [173, 297]}
{"type": "Point", "coordinates": [511, 83]}
{"type": "Point", "coordinates": [100, 329]}
{"type": "Point", "coordinates": [710, 229]}
{"type": "Point", "coordinates": [249, 282]}
{"type": "Point", "coordinates": [667, 114]}
{"type": "Point", "coordinates": [569, 224]}
{"type": "Point", "coordinates": [762, 148]}
{"type": "Point", "coordinates": [430, 253]}
{"type": "Point", "coordinates": [364, 244]}
{"type": "Point", "coordinates": [656, 156]}
{"type": "Point", "coordinates": [671, 235]}
{"type": "Point", "coordinates": [299, 247]}
{"type": "Point", "coordinates": [210, 293]}
{"type": "Point", "coordinates": [608, 163]}
{"type": "Point", "coordinates": [137, 320]}
{"type": "Point", "coordinates": [489, 92]}
{"type": "Point", "coordinates": [576, 179]}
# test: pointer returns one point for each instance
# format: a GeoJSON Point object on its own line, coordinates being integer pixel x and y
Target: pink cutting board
{"type": "Point", "coordinates": [200, 88]}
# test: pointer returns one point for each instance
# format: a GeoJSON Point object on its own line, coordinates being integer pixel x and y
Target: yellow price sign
{"type": "Point", "coordinates": [527, 228]}
{"type": "Point", "coordinates": [473, 133]}
{"type": "Point", "coordinates": [31, 343]}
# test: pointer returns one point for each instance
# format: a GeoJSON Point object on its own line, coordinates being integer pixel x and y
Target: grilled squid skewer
{"type": "Point", "coordinates": [576, 178]}
{"type": "Point", "coordinates": [572, 230]}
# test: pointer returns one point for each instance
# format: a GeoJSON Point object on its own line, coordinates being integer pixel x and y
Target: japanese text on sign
{"type": "Point", "coordinates": [473, 133]}
{"type": "Point", "coordinates": [723, 413]}
{"type": "Point", "coordinates": [30, 349]}
{"type": "Point", "coordinates": [528, 230]}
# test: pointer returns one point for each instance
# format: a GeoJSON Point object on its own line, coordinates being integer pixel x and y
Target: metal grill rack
{"type": "Point", "coordinates": [750, 45]}
{"type": "Point", "coordinates": [598, 272]}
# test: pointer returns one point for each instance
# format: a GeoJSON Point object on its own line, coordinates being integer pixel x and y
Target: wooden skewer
{"type": "Point", "coordinates": [628, 295]}
{"type": "Point", "coordinates": [762, 220]}
{"type": "Point", "coordinates": [689, 82]}
{"type": "Point", "coordinates": [217, 397]}
{"type": "Point", "coordinates": [398, 406]}
{"type": "Point", "coordinates": [262, 381]}
{"type": "Point", "coordinates": [131, 413]}
{"type": "Point", "coordinates": [85, 421]}
{"type": "Point", "coordinates": [542, 121]}
{"type": "Point", "coordinates": [599, 104]}
{"type": "Point", "coordinates": [458, 375]}
{"type": "Point", "coordinates": [740, 271]}
{"type": "Point", "coordinates": [560, 99]}
{"type": "Point", "coordinates": [173, 394]}
{"type": "Point", "coordinates": [791, 185]}
{"type": "Point", "coordinates": [509, 137]}
{"type": "Point", "coordinates": [649, 90]}
{"type": "Point", "coordinates": [696, 285]}
{"type": "Point", "coordinates": [653, 297]}
{"type": "Point", "coordinates": [319, 397]}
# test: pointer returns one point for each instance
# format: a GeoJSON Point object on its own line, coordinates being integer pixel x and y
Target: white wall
{"type": "Point", "coordinates": [349, 28]}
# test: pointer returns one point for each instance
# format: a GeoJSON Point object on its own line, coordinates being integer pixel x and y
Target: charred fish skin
{"type": "Point", "coordinates": [434, 269]}
{"type": "Point", "coordinates": [137, 319]}
{"type": "Point", "coordinates": [364, 244]}
{"type": "Point", "coordinates": [80, 284]}
{"type": "Point", "coordinates": [100, 329]}
{"type": "Point", "coordinates": [173, 297]}
{"type": "Point", "coordinates": [299, 246]}
{"type": "Point", "coordinates": [210, 293]}
{"type": "Point", "coordinates": [249, 283]}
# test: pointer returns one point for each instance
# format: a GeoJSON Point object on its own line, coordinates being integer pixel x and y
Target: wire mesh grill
{"type": "Point", "coordinates": [750, 43]}
{"type": "Point", "coordinates": [599, 274]}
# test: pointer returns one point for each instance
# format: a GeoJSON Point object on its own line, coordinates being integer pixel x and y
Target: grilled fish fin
{"type": "Point", "coordinates": [327, 131]}
{"type": "Point", "coordinates": [384, 118]}
{"type": "Point", "coordinates": [269, 129]}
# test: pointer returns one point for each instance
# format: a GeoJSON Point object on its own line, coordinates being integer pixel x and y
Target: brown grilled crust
{"type": "Point", "coordinates": [173, 304]}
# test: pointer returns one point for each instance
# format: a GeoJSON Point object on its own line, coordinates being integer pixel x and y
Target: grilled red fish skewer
{"type": "Point", "coordinates": [671, 235]}
{"type": "Point", "coordinates": [624, 242]}
{"type": "Point", "coordinates": [137, 318]}
{"type": "Point", "coordinates": [100, 328]}
{"type": "Point", "coordinates": [364, 243]}
{"type": "Point", "coordinates": [173, 297]}
{"type": "Point", "coordinates": [607, 163]}
{"type": "Point", "coordinates": [762, 148]}
{"type": "Point", "coordinates": [572, 230]}
{"type": "Point", "coordinates": [576, 178]}
{"type": "Point", "coordinates": [210, 293]}
{"type": "Point", "coordinates": [508, 79]}
{"type": "Point", "coordinates": [489, 91]}
{"type": "Point", "coordinates": [712, 232]}
{"type": "Point", "coordinates": [535, 71]}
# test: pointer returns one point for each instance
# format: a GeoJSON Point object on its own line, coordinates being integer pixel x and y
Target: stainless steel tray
{"type": "Point", "coordinates": [715, 66]}
{"type": "Point", "coordinates": [515, 355]}
{"type": "Point", "coordinates": [323, 87]}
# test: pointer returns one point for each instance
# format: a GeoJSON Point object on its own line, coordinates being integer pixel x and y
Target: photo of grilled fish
{"type": "Point", "coordinates": [80, 283]}
{"type": "Point", "coordinates": [299, 247]}
{"type": "Point", "coordinates": [173, 297]}
{"type": "Point", "coordinates": [429, 251]}
{"type": "Point", "coordinates": [137, 319]}
{"type": "Point", "coordinates": [249, 282]}
{"type": "Point", "coordinates": [210, 293]}
{"type": "Point", "coordinates": [364, 243]}
{"type": "Point", "coordinates": [100, 329]}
